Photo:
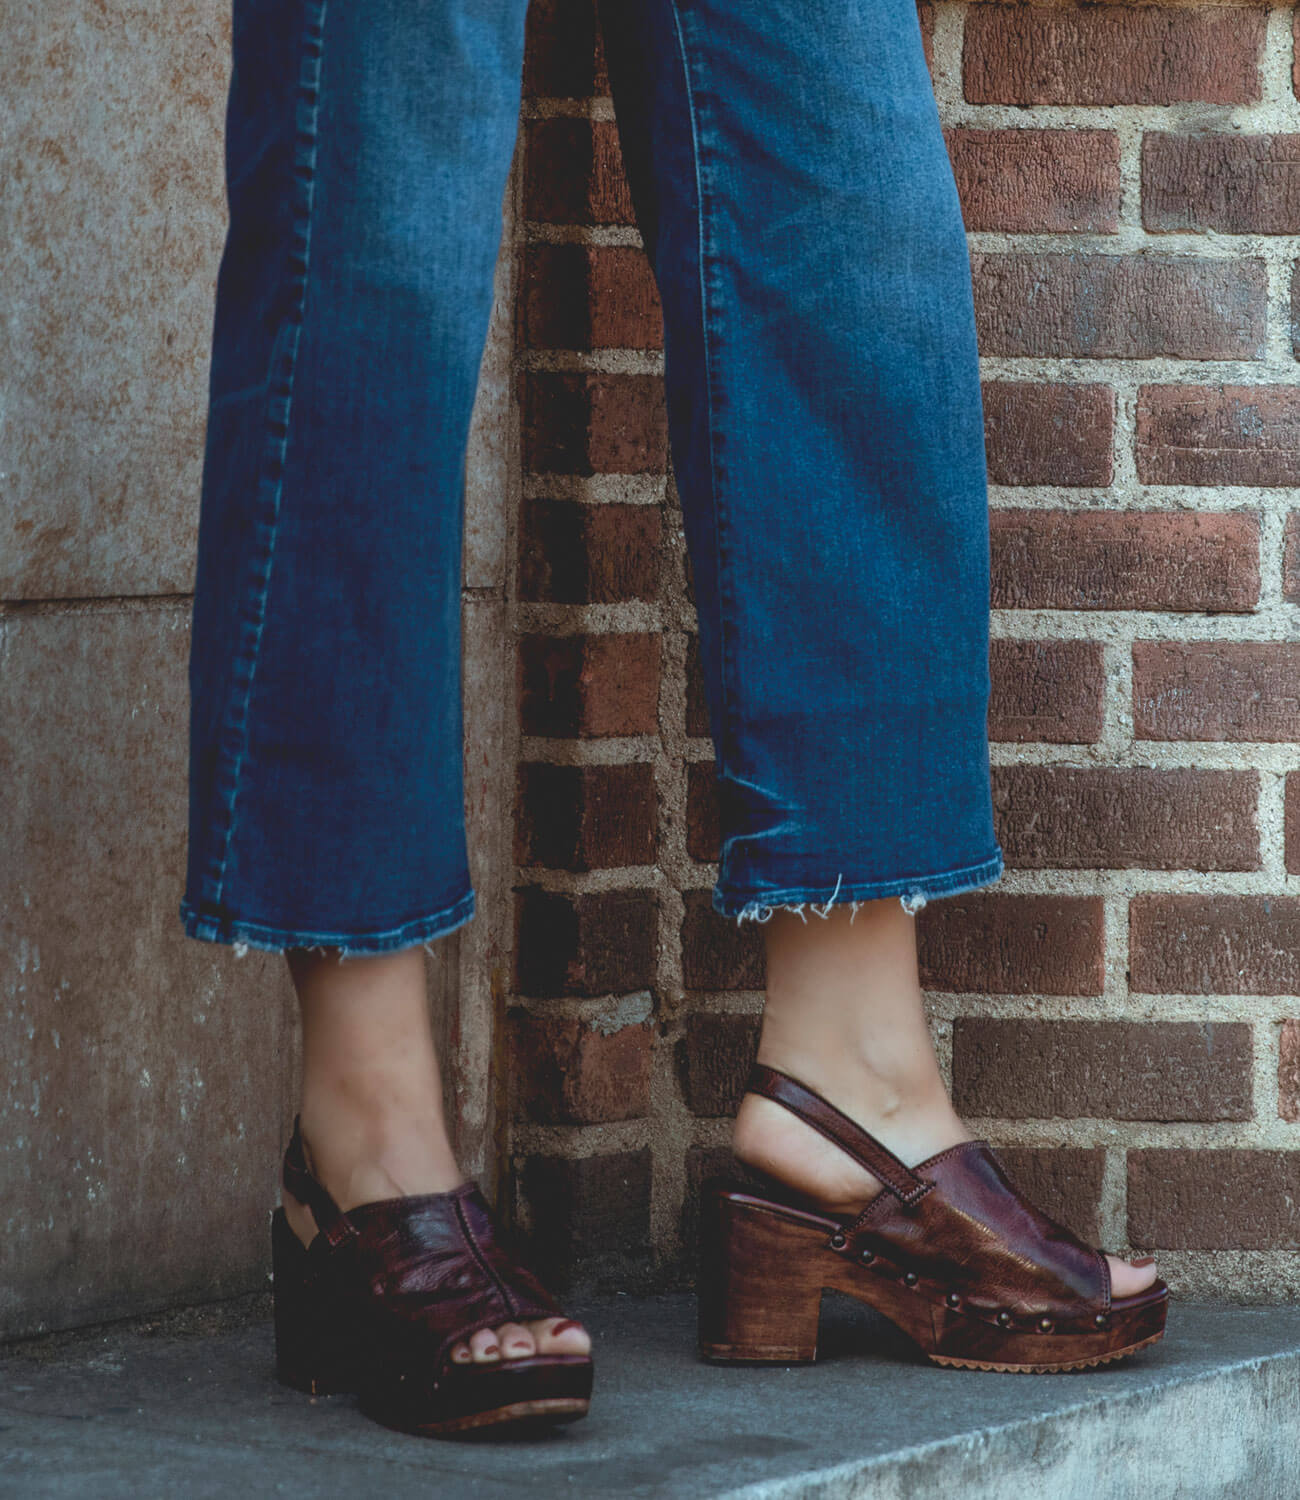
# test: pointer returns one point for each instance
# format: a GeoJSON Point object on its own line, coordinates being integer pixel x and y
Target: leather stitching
{"type": "Point", "coordinates": [473, 1247]}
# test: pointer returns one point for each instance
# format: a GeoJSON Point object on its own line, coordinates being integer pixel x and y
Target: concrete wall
{"type": "Point", "coordinates": [146, 1079]}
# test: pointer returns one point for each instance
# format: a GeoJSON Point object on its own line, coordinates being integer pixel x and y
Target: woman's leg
{"type": "Point", "coordinates": [372, 1112]}
{"type": "Point", "coordinates": [845, 1016]}
{"type": "Point", "coordinates": [796, 199]}
{"type": "Point", "coordinates": [367, 149]}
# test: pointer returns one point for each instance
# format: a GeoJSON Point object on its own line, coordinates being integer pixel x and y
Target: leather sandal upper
{"type": "Point", "coordinates": [426, 1271]}
{"type": "Point", "coordinates": [956, 1226]}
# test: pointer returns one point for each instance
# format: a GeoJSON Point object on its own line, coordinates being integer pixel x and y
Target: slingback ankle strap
{"type": "Point", "coordinates": [836, 1126]}
{"type": "Point", "coordinates": [300, 1183]}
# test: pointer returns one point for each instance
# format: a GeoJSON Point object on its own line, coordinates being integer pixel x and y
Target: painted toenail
{"type": "Point", "coordinates": [1147, 1260]}
{"type": "Point", "coordinates": [564, 1326]}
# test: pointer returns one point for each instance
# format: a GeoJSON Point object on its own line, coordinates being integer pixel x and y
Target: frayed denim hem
{"type": "Point", "coordinates": [246, 935]}
{"type": "Point", "coordinates": [913, 893]}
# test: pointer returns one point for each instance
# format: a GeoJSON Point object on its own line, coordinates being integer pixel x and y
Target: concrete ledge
{"type": "Point", "coordinates": [1213, 1411]}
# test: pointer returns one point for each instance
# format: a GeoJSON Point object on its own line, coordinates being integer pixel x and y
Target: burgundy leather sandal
{"type": "Point", "coordinates": [949, 1251]}
{"type": "Point", "coordinates": [374, 1305]}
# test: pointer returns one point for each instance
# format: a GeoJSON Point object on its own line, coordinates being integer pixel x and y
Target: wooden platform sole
{"type": "Point", "coordinates": [765, 1265]}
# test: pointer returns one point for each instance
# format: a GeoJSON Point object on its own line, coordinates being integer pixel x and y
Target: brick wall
{"type": "Point", "coordinates": [1120, 1013]}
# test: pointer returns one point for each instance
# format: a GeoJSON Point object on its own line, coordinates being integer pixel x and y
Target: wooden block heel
{"type": "Point", "coordinates": [949, 1251]}
{"type": "Point", "coordinates": [314, 1351]}
{"type": "Point", "coordinates": [756, 1303]}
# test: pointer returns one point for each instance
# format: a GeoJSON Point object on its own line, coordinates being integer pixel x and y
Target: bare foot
{"type": "Point", "coordinates": [370, 1183]}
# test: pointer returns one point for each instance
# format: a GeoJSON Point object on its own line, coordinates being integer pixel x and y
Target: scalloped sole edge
{"type": "Point", "coordinates": [1045, 1369]}
{"type": "Point", "coordinates": [542, 1412]}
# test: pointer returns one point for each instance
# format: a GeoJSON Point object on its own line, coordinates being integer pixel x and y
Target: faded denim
{"type": "Point", "coordinates": [798, 207]}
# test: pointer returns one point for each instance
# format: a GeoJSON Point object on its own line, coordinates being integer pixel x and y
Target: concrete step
{"type": "Point", "coordinates": [189, 1407]}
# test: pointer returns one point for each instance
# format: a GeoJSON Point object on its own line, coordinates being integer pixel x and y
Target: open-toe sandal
{"type": "Point", "coordinates": [377, 1301]}
{"type": "Point", "coordinates": [949, 1251]}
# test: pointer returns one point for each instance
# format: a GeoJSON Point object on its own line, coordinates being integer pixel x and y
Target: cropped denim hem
{"type": "Point", "coordinates": [274, 939]}
{"type": "Point", "coordinates": [822, 408]}
{"type": "Point", "coordinates": [913, 891]}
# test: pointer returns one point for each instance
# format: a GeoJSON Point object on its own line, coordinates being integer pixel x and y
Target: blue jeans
{"type": "Point", "coordinates": [797, 204]}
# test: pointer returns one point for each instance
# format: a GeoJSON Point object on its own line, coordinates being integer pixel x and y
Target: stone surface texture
{"type": "Point", "coordinates": [190, 1406]}
{"type": "Point", "coordinates": [112, 198]}
{"type": "Point", "coordinates": [147, 1080]}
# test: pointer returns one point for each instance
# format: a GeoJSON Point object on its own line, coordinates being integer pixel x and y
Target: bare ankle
{"type": "Point", "coordinates": [879, 1091]}
{"type": "Point", "coordinates": [914, 1126]}
{"type": "Point", "coordinates": [363, 1156]}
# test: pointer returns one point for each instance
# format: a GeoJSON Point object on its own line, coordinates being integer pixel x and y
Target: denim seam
{"type": "Point", "coordinates": [913, 891]}
{"type": "Point", "coordinates": [278, 410]}
{"type": "Point", "coordinates": [244, 934]}
{"type": "Point", "coordinates": [709, 339]}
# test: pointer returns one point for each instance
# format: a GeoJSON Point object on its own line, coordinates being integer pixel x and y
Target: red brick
{"type": "Point", "coordinates": [1113, 54]}
{"type": "Point", "coordinates": [1216, 690]}
{"type": "Point", "coordinates": [1049, 692]}
{"type": "Point", "coordinates": [563, 55]}
{"type": "Point", "coordinates": [1038, 432]}
{"type": "Point", "coordinates": [1120, 306]}
{"type": "Point", "coordinates": [993, 943]}
{"type": "Point", "coordinates": [1064, 1181]}
{"type": "Point", "coordinates": [585, 817]}
{"type": "Point", "coordinates": [1288, 1072]}
{"type": "Point", "coordinates": [703, 835]}
{"type": "Point", "coordinates": [1220, 434]}
{"type": "Point", "coordinates": [587, 297]}
{"type": "Point", "coordinates": [1214, 945]}
{"type": "Point", "coordinates": [570, 1072]}
{"type": "Point", "coordinates": [714, 1058]}
{"type": "Point", "coordinates": [588, 1218]}
{"type": "Point", "coordinates": [719, 953]}
{"type": "Point", "coordinates": [1117, 1070]}
{"type": "Point", "coordinates": [603, 943]}
{"type": "Point", "coordinates": [1291, 559]}
{"type": "Point", "coordinates": [589, 686]}
{"type": "Point", "coordinates": [1220, 180]}
{"type": "Point", "coordinates": [1187, 1199]}
{"type": "Point", "coordinates": [1175, 560]}
{"type": "Point", "coordinates": [571, 553]}
{"type": "Point", "coordinates": [1037, 180]}
{"type": "Point", "coordinates": [697, 706]}
{"type": "Point", "coordinates": [1293, 822]}
{"type": "Point", "coordinates": [593, 423]}
{"type": "Point", "coordinates": [573, 173]}
{"type": "Point", "coordinates": [1059, 817]}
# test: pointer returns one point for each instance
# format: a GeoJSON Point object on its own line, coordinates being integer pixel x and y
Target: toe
{"type": "Point", "coordinates": [1128, 1279]}
{"type": "Point", "coordinates": [485, 1346]}
{"type": "Point", "coordinates": [561, 1336]}
{"type": "Point", "coordinates": [461, 1354]}
{"type": "Point", "coordinates": [516, 1341]}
